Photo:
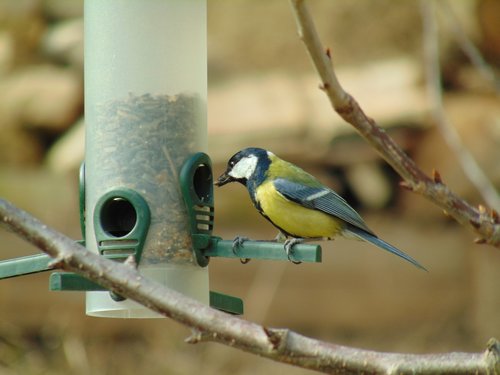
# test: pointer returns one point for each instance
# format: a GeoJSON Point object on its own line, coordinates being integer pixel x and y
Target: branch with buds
{"type": "Point", "coordinates": [485, 222]}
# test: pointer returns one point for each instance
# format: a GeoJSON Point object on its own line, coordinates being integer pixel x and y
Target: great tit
{"type": "Point", "coordinates": [296, 202]}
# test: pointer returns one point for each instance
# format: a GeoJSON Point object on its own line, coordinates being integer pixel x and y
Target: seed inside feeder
{"type": "Point", "coordinates": [140, 143]}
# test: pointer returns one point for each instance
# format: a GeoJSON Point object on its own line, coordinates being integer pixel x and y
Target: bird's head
{"type": "Point", "coordinates": [247, 164]}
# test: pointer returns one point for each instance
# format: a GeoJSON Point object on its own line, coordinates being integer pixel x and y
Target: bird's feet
{"type": "Point", "coordinates": [289, 244]}
{"type": "Point", "coordinates": [238, 242]}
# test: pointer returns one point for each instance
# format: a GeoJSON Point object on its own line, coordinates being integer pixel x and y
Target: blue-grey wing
{"type": "Point", "coordinates": [320, 198]}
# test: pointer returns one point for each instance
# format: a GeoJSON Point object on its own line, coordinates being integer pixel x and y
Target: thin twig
{"type": "Point", "coordinates": [485, 222]}
{"type": "Point", "coordinates": [433, 82]}
{"type": "Point", "coordinates": [211, 325]}
{"type": "Point", "coordinates": [468, 46]}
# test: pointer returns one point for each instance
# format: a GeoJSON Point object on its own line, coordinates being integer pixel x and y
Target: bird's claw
{"type": "Point", "coordinates": [289, 244]}
{"type": "Point", "coordinates": [238, 242]}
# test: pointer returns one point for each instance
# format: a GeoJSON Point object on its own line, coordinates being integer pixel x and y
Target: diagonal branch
{"type": "Point", "coordinates": [485, 222]}
{"type": "Point", "coordinates": [211, 325]}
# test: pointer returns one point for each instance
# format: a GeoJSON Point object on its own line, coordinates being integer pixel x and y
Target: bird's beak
{"type": "Point", "coordinates": [223, 179]}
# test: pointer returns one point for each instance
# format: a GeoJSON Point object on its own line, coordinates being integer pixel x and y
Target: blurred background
{"type": "Point", "coordinates": [263, 92]}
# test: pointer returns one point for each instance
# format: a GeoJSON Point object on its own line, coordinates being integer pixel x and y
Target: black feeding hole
{"type": "Point", "coordinates": [118, 217]}
{"type": "Point", "coordinates": [202, 181]}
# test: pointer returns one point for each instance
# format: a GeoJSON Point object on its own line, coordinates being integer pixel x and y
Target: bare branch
{"type": "Point", "coordinates": [211, 325]}
{"type": "Point", "coordinates": [433, 80]}
{"type": "Point", "coordinates": [415, 180]}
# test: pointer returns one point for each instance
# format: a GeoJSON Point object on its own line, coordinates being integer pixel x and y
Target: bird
{"type": "Point", "coordinates": [297, 203]}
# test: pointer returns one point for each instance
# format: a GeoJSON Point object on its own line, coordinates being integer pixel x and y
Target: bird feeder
{"type": "Point", "coordinates": [146, 187]}
{"type": "Point", "coordinates": [145, 113]}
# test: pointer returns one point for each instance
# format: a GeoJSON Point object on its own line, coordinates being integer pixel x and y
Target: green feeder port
{"type": "Point", "coordinates": [198, 192]}
{"type": "Point", "coordinates": [121, 223]}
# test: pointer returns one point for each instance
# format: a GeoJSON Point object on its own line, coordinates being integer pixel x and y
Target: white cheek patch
{"type": "Point", "coordinates": [244, 168]}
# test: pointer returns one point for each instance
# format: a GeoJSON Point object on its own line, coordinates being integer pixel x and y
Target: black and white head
{"type": "Point", "coordinates": [248, 164]}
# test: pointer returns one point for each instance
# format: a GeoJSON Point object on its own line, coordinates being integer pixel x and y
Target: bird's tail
{"type": "Point", "coordinates": [363, 235]}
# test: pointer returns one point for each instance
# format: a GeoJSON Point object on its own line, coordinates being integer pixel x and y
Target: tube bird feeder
{"type": "Point", "coordinates": [145, 113]}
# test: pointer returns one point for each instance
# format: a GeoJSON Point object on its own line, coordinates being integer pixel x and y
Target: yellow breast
{"type": "Point", "coordinates": [294, 218]}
